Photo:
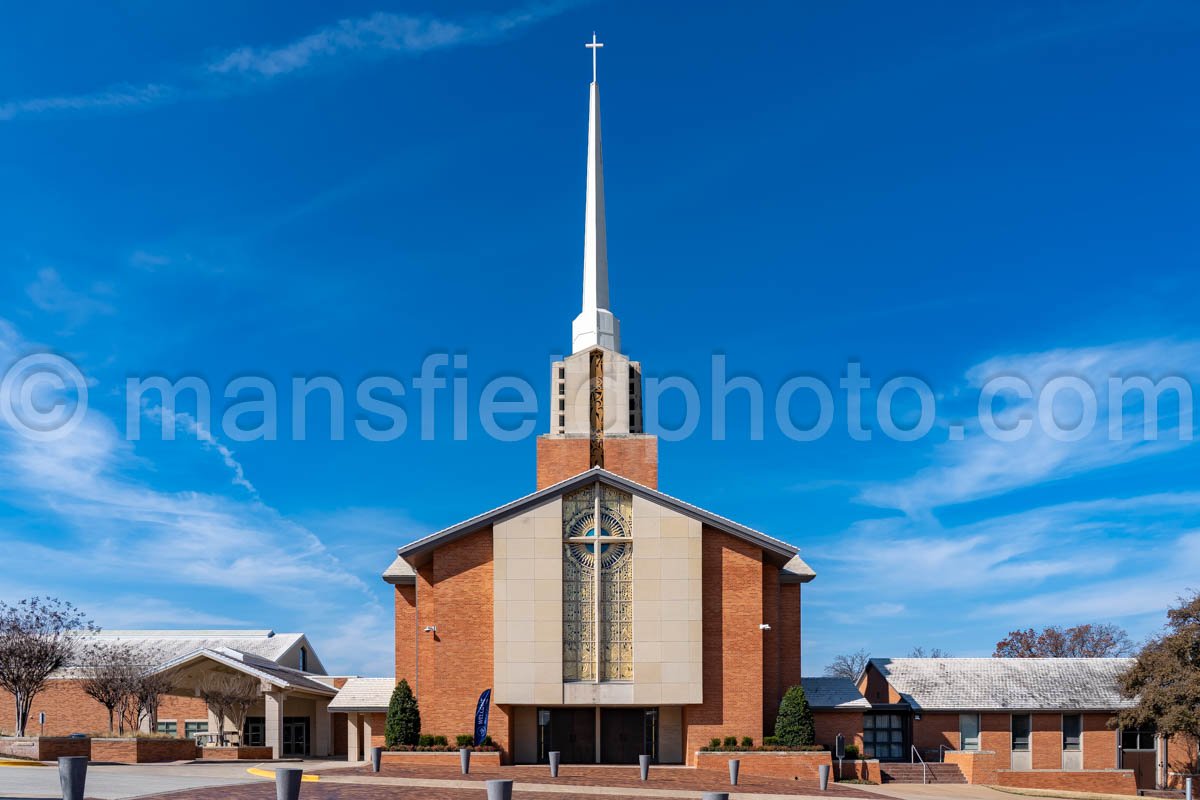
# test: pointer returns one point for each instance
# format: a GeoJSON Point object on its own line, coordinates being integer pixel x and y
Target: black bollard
{"type": "Point", "coordinates": [376, 758]}
{"type": "Point", "coordinates": [464, 760]}
{"type": "Point", "coordinates": [555, 760]}
{"type": "Point", "coordinates": [72, 774]}
{"type": "Point", "coordinates": [644, 767]}
{"type": "Point", "coordinates": [287, 783]}
{"type": "Point", "coordinates": [715, 796]}
{"type": "Point", "coordinates": [499, 790]}
{"type": "Point", "coordinates": [734, 765]}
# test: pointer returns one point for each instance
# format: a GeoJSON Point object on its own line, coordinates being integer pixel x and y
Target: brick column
{"type": "Point", "coordinates": [273, 706]}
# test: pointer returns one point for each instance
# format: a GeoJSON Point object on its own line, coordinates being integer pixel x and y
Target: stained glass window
{"type": "Point", "coordinates": [597, 585]}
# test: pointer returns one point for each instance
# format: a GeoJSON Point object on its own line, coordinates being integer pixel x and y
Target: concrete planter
{"type": "Point", "coordinates": [415, 758]}
{"type": "Point", "coordinates": [143, 751]}
{"type": "Point", "coordinates": [239, 753]}
{"type": "Point", "coordinates": [44, 748]}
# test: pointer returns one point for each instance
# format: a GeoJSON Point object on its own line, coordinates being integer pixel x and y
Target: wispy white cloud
{"type": "Point", "coordinates": [379, 35]}
{"type": "Point", "coordinates": [981, 467]}
{"type": "Point", "coordinates": [123, 97]}
{"type": "Point", "coordinates": [116, 531]}
{"type": "Point", "coordinates": [50, 293]}
{"type": "Point", "coordinates": [193, 427]}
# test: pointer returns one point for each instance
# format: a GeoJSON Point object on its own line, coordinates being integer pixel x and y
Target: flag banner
{"type": "Point", "coordinates": [481, 716]}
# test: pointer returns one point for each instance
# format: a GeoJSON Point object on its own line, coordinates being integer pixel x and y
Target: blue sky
{"type": "Point", "coordinates": [943, 190]}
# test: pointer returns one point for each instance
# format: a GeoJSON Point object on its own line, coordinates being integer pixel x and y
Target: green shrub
{"type": "Point", "coordinates": [770, 741]}
{"type": "Point", "coordinates": [429, 740]}
{"type": "Point", "coordinates": [794, 725]}
{"type": "Point", "coordinates": [730, 741]}
{"type": "Point", "coordinates": [747, 741]}
{"type": "Point", "coordinates": [403, 717]}
{"type": "Point", "coordinates": [714, 743]}
{"type": "Point", "coordinates": [852, 751]}
{"type": "Point", "coordinates": [464, 740]}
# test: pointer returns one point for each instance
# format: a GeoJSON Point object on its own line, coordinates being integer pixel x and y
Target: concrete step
{"type": "Point", "coordinates": [916, 773]}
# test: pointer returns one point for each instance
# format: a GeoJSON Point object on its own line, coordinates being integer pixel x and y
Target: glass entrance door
{"type": "Point", "coordinates": [884, 736]}
{"type": "Point", "coordinates": [295, 736]}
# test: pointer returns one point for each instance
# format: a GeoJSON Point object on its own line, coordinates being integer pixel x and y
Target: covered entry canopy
{"type": "Point", "coordinates": [285, 693]}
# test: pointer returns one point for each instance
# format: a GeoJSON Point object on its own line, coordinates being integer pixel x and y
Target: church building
{"type": "Point", "coordinates": [607, 618]}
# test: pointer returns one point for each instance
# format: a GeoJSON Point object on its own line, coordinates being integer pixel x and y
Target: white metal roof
{"type": "Point", "coordinates": [1007, 684]}
{"type": "Point", "coordinates": [364, 694]}
{"type": "Point", "coordinates": [833, 693]}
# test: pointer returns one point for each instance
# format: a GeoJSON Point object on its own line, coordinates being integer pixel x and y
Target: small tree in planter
{"type": "Point", "coordinates": [403, 717]}
{"type": "Point", "coordinates": [794, 725]}
{"type": "Point", "coordinates": [109, 674]}
{"type": "Point", "coordinates": [228, 694]}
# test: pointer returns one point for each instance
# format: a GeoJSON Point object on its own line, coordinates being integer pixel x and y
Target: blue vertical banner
{"type": "Point", "coordinates": [481, 716]}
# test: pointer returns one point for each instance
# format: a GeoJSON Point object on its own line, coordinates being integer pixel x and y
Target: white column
{"type": "Point", "coordinates": [366, 735]}
{"type": "Point", "coordinates": [353, 753]}
{"type": "Point", "coordinates": [321, 738]}
{"type": "Point", "coordinates": [273, 708]}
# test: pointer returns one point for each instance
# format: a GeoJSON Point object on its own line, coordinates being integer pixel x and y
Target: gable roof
{"type": "Point", "coordinates": [415, 553]}
{"type": "Point", "coordinates": [833, 693]}
{"type": "Point", "coordinates": [364, 694]}
{"type": "Point", "coordinates": [170, 644]}
{"type": "Point", "coordinates": [261, 668]}
{"type": "Point", "coordinates": [1007, 684]}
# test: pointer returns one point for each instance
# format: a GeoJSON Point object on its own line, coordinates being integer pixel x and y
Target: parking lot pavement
{"type": "Point", "coordinates": [117, 781]}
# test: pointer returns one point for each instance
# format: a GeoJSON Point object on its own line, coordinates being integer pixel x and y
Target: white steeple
{"type": "Point", "coordinates": [595, 325]}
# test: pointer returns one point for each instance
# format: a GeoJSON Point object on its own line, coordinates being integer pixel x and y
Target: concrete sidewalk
{"type": "Point", "coordinates": [122, 781]}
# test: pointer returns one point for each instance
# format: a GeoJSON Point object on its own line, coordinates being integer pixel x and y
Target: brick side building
{"type": "Point", "coordinates": [292, 716]}
{"type": "Point", "coordinates": [1020, 722]}
{"type": "Point", "coordinates": [607, 618]}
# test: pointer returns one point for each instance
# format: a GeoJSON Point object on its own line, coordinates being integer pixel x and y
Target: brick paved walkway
{"type": "Point", "coordinates": [535, 783]}
{"type": "Point", "coordinates": [680, 780]}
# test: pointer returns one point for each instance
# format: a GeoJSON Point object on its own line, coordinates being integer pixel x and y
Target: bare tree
{"type": "Point", "coordinates": [229, 694]}
{"type": "Point", "coordinates": [933, 652]}
{"type": "Point", "coordinates": [1081, 641]}
{"type": "Point", "coordinates": [37, 637]}
{"type": "Point", "coordinates": [848, 665]}
{"type": "Point", "coordinates": [110, 671]}
{"type": "Point", "coordinates": [148, 693]}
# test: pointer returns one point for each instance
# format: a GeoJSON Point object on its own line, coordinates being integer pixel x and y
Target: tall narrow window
{"type": "Point", "coordinates": [968, 731]}
{"type": "Point", "coordinates": [597, 585]}
{"type": "Point", "coordinates": [1020, 732]}
{"type": "Point", "coordinates": [1072, 730]}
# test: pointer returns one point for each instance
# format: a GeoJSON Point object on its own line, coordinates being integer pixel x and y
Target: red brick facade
{"type": "Point", "coordinates": [561, 457]}
{"type": "Point", "coordinates": [745, 670]}
{"type": "Point", "coordinates": [453, 665]}
{"type": "Point", "coordinates": [69, 710]}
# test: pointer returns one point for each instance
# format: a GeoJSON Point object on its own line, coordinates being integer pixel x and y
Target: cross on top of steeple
{"type": "Point", "coordinates": [594, 45]}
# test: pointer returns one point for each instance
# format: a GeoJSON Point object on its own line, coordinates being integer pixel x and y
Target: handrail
{"type": "Point", "coordinates": [943, 749]}
{"type": "Point", "coordinates": [924, 766]}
